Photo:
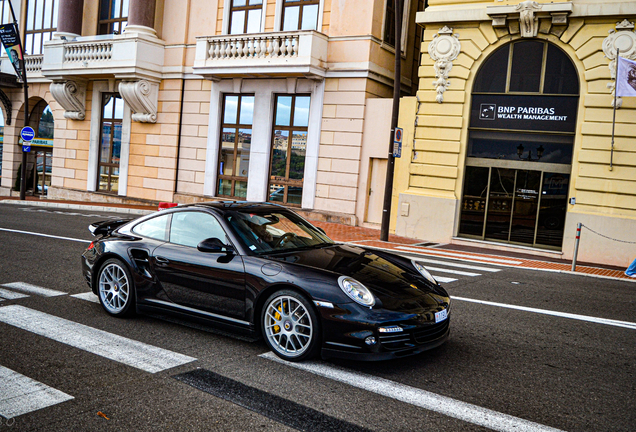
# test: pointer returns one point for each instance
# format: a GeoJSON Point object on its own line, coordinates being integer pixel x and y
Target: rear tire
{"type": "Point", "coordinates": [116, 289]}
{"type": "Point", "coordinates": [290, 326]}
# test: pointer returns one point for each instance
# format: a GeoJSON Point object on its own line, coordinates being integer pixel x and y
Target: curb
{"type": "Point", "coordinates": [87, 207]}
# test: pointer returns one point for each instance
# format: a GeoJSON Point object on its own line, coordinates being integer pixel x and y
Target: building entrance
{"type": "Point", "coordinates": [519, 206]}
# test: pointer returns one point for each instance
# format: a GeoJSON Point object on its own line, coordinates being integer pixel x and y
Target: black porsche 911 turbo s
{"type": "Point", "coordinates": [263, 270]}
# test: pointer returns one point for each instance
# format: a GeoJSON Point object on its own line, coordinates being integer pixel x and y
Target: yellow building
{"type": "Point", "coordinates": [188, 100]}
{"type": "Point", "coordinates": [509, 139]}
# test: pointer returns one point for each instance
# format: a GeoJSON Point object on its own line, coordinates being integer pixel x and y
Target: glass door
{"type": "Point", "coordinates": [502, 187]}
{"type": "Point", "coordinates": [42, 178]}
{"type": "Point", "coordinates": [525, 205]}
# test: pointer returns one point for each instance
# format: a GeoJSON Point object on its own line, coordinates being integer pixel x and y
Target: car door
{"type": "Point", "coordinates": [211, 282]}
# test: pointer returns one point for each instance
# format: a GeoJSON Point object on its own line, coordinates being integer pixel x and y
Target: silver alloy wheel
{"type": "Point", "coordinates": [288, 326]}
{"type": "Point", "coordinates": [114, 288]}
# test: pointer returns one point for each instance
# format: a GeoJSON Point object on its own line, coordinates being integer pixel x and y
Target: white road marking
{"type": "Point", "coordinates": [45, 235]}
{"type": "Point", "coordinates": [443, 279]}
{"type": "Point", "coordinates": [33, 289]}
{"type": "Point", "coordinates": [421, 398]}
{"type": "Point", "coordinates": [117, 348]}
{"type": "Point", "coordinates": [452, 264]}
{"type": "Point", "coordinates": [10, 295]}
{"type": "Point", "coordinates": [625, 324]}
{"type": "Point", "coordinates": [88, 296]}
{"type": "Point", "coordinates": [458, 255]}
{"type": "Point", "coordinates": [20, 394]}
{"type": "Point", "coordinates": [443, 270]}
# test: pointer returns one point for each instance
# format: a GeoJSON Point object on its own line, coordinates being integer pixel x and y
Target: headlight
{"type": "Point", "coordinates": [356, 291]}
{"type": "Point", "coordinates": [420, 268]}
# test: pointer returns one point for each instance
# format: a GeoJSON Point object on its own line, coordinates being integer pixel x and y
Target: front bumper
{"type": "Point", "coordinates": [346, 327]}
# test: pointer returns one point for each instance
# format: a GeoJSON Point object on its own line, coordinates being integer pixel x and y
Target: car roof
{"type": "Point", "coordinates": [237, 205]}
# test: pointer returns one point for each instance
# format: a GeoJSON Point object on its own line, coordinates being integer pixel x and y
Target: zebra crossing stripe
{"type": "Point", "coordinates": [33, 289]}
{"type": "Point", "coordinates": [88, 296]}
{"type": "Point", "coordinates": [10, 295]}
{"type": "Point", "coordinates": [459, 272]}
{"type": "Point", "coordinates": [113, 347]}
{"type": "Point", "coordinates": [452, 264]}
{"type": "Point", "coordinates": [459, 255]}
{"type": "Point", "coordinates": [20, 394]}
{"type": "Point", "coordinates": [443, 279]}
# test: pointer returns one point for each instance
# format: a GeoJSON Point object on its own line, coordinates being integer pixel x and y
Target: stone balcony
{"type": "Point", "coordinates": [298, 53]}
{"type": "Point", "coordinates": [135, 59]}
{"type": "Point", "coordinates": [127, 56]}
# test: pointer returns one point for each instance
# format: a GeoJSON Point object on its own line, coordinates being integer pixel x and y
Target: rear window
{"type": "Point", "coordinates": [155, 228]}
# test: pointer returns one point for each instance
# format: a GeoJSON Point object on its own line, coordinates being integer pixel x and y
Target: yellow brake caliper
{"type": "Point", "coordinates": [278, 317]}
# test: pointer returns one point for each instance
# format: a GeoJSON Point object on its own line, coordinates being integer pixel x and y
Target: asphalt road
{"type": "Point", "coordinates": [502, 369]}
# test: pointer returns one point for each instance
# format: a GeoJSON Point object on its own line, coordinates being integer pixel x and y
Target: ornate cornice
{"type": "Point", "coordinates": [623, 40]}
{"type": "Point", "coordinates": [142, 96]}
{"type": "Point", "coordinates": [71, 96]}
{"type": "Point", "coordinates": [443, 49]}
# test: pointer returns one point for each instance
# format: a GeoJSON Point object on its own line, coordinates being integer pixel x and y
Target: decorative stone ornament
{"type": "Point", "coordinates": [142, 96]}
{"type": "Point", "coordinates": [71, 95]}
{"type": "Point", "coordinates": [443, 49]}
{"type": "Point", "coordinates": [623, 40]}
{"type": "Point", "coordinates": [528, 22]}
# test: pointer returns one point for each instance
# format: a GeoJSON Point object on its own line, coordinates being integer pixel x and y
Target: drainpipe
{"type": "Point", "coordinates": [176, 169]}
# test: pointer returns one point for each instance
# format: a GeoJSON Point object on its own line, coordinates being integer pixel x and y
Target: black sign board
{"type": "Point", "coordinates": [524, 112]}
{"type": "Point", "coordinates": [11, 42]}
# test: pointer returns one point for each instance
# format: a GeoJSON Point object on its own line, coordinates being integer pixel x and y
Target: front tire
{"type": "Point", "coordinates": [290, 326]}
{"type": "Point", "coordinates": [115, 288]}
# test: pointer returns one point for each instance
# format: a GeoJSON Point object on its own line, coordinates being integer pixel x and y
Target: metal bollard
{"type": "Point", "coordinates": [576, 245]}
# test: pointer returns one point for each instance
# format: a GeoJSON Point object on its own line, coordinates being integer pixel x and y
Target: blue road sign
{"type": "Point", "coordinates": [397, 143]}
{"type": "Point", "coordinates": [26, 148]}
{"type": "Point", "coordinates": [27, 133]}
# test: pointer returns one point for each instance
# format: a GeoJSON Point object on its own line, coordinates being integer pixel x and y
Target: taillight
{"type": "Point", "coordinates": [91, 246]}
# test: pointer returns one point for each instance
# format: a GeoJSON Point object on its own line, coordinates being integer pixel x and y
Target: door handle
{"type": "Point", "coordinates": [161, 260]}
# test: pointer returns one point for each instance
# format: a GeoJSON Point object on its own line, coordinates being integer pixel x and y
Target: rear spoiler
{"type": "Point", "coordinates": [106, 227]}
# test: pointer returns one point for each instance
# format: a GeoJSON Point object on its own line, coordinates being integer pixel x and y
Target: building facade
{"type": "Point", "coordinates": [189, 100]}
{"type": "Point", "coordinates": [512, 138]}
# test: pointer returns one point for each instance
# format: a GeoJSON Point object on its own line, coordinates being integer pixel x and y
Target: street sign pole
{"type": "Point", "coordinates": [388, 185]}
{"type": "Point", "coordinates": [25, 86]}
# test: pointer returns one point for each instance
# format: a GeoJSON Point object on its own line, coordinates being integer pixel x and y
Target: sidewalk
{"type": "Point", "coordinates": [370, 238]}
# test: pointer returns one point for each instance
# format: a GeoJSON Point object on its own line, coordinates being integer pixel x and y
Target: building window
{"type": "Point", "coordinates": [245, 16]}
{"type": "Point", "coordinates": [236, 140]}
{"type": "Point", "coordinates": [289, 145]}
{"type": "Point", "coordinates": [113, 16]}
{"type": "Point", "coordinates": [110, 142]}
{"type": "Point", "coordinates": [389, 23]}
{"type": "Point", "coordinates": [41, 22]}
{"type": "Point", "coordinates": [300, 15]}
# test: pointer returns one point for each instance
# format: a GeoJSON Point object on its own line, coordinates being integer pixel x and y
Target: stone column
{"type": "Point", "coordinates": [141, 17]}
{"type": "Point", "coordinates": [69, 21]}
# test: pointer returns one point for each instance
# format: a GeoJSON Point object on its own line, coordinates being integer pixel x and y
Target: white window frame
{"type": "Point", "coordinates": [100, 87]}
{"type": "Point", "coordinates": [264, 91]}
{"type": "Point", "coordinates": [226, 17]}
{"type": "Point", "coordinates": [278, 18]}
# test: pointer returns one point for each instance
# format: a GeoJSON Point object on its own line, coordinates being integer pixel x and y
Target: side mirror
{"type": "Point", "coordinates": [214, 245]}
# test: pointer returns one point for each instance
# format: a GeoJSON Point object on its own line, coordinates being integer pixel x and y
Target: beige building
{"type": "Point", "coordinates": [188, 100]}
{"type": "Point", "coordinates": [508, 143]}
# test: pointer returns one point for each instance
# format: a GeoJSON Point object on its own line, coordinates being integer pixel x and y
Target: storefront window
{"type": "Point", "coordinates": [245, 16]}
{"type": "Point", "coordinates": [110, 142]}
{"type": "Point", "coordinates": [289, 146]}
{"type": "Point", "coordinates": [236, 141]}
{"type": "Point", "coordinates": [41, 23]}
{"type": "Point", "coordinates": [113, 16]}
{"type": "Point", "coordinates": [300, 15]}
{"type": "Point", "coordinates": [520, 146]}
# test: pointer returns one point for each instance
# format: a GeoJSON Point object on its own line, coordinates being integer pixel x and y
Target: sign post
{"type": "Point", "coordinates": [397, 143]}
{"type": "Point", "coordinates": [10, 38]}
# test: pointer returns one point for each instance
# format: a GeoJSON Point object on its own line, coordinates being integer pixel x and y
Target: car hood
{"type": "Point", "coordinates": [390, 278]}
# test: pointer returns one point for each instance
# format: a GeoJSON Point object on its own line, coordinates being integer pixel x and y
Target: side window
{"type": "Point", "coordinates": [190, 228]}
{"type": "Point", "coordinates": [156, 228]}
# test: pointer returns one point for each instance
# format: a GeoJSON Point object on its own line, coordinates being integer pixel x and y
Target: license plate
{"type": "Point", "coordinates": [441, 315]}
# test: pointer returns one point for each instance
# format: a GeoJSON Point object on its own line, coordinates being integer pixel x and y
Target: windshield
{"type": "Point", "coordinates": [268, 232]}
